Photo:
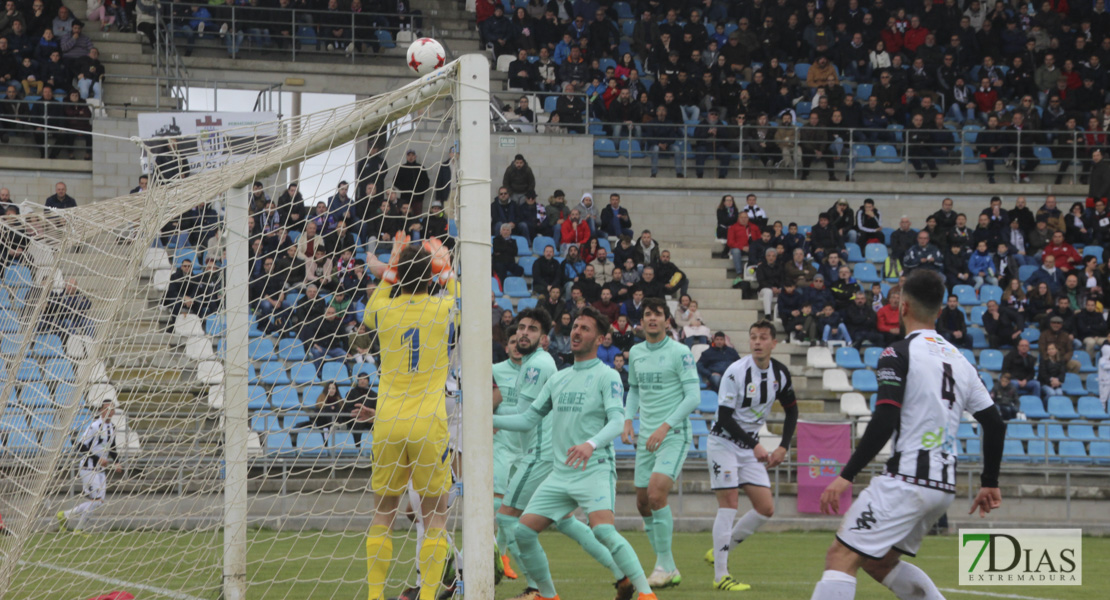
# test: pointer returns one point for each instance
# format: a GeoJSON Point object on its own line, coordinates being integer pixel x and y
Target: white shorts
{"type": "Point", "coordinates": [93, 483]}
{"type": "Point", "coordinates": [731, 467]}
{"type": "Point", "coordinates": [454, 422]}
{"type": "Point", "coordinates": [891, 513]}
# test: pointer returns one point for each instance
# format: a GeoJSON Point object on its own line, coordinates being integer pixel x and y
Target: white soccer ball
{"type": "Point", "coordinates": [426, 55]}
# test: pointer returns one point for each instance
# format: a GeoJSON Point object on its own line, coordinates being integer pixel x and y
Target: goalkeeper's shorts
{"type": "Point", "coordinates": [411, 448]}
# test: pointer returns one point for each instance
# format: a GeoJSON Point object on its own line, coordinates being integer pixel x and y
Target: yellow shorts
{"type": "Point", "coordinates": [411, 448]}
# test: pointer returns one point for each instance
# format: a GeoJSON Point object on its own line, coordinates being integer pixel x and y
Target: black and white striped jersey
{"type": "Point", "coordinates": [750, 391]}
{"type": "Point", "coordinates": [933, 384]}
{"type": "Point", "coordinates": [97, 442]}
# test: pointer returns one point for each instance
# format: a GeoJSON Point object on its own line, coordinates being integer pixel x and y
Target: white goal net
{"type": "Point", "coordinates": [183, 366]}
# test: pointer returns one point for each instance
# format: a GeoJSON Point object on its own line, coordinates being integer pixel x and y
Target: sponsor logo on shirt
{"type": "Point", "coordinates": [888, 377]}
{"type": "Point", "coordinates": [888, 352]}
{"type": "Point", "coordinates": [752, 389]}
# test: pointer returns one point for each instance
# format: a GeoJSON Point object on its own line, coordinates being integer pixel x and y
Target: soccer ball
{"type": "Point", "coordinates": [426, 55]}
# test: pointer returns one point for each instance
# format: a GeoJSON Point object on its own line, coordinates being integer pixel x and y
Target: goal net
{"type": "Point", "coordinates": [218, 320]}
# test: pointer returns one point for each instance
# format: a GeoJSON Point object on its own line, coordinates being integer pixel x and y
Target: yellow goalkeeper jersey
{"type": "Point", "coordinates": [413, 336]}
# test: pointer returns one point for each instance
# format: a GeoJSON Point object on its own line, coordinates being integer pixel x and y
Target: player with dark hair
{"type": "Point", "coordinates": [925, 385]}
{"type": "Point", "coordinates": [663, 391]}
{"type": "Point", "coordinates": [98, 454]}
{"type": "Point", "coordinates": [748, 388]}
{"type": "Point", "coordinates": [586, 407]}
{"type": "Point", "coordinates": [507, 449]}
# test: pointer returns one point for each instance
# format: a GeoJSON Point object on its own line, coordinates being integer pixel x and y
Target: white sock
{"type": "Point", "coordinates": [835, 585]}
{"type": "Point", "coordinates": [908, 582]}
{"type": "Point", "coordinates": [81, 511]}
{"type": "Point", "coordinates": [747, 525]}
{"type": "Point", "coordinates": [722, 539]}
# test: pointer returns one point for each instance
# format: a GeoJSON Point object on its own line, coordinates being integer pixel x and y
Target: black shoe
{"type": "Point", "coordinates": [920, 175]}
{"type": "Point", "coordinates": [833, 177]}
{"type": "Point", "coordinates": [625, 589]}
{"type": "Point", "coordinates": [679, 175]}
{"type": "Point", "coordinates": [1059, 179]}
{"type": "Point", "coordinates": [934, 174]}
{"type": "Point", "coordinates": [529, 593]}
{"type": "Point", "coordinates": [700, 175]}
{"type": "Point", "coordinates": [990, 178]}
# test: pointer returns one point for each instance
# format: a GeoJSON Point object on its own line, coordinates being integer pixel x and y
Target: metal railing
{"type": "Point", "coordinates": [31, 133]}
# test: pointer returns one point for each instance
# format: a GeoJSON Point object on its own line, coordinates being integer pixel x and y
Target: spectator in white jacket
{"type": "Point", "coordinates": [588, 211]}
{"type": "Point", "coordinates": [1104, 376]}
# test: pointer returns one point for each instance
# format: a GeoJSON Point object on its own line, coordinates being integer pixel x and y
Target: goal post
{"type": "Point", "coordinates": [234, 485]}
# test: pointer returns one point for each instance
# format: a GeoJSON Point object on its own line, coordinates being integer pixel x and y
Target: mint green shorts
{"type": "Point", "coordinates": [526, 479]}
{"type": "Point", "coordinates": [560, 494]}
{"type": "Point", "coordinates": [505, 462]}
{"type": "Point", "coordinates": [667, 459]}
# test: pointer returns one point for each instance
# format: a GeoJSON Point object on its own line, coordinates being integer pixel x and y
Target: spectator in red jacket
{"type": "Point", "coordinates": [887, 318]}
{"type": "Point", "coordinates": [1064, 253]}
{"type": "Point", "coordinates": [892, 37]}
{"type": "Point", "coordinates": [915, 35]}
{"type": "Point", "coordinates": [740, 234]}
{"type": "Point", "coordinates": [574, 231]}
{"type": "Point", "coordinates": [985, 96]}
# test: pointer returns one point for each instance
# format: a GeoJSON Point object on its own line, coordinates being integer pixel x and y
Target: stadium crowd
{"type": "Point", "coordinates": [1025, 82]}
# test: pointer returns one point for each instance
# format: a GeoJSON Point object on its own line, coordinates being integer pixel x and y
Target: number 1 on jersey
{"type": "Point", "coordinates": [948, 386]}
{"type": "Point", "coordinates": [412, 337]}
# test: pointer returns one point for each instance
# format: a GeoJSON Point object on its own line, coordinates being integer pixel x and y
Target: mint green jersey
{"type": "Point", "coordinates": [534, 372]}
{"type": "Point", "coordinates": [580, 402]}
{"type": "Point", "coordinates": [663, 384]}
{"type": "Point", "coordinates": [504, 375]}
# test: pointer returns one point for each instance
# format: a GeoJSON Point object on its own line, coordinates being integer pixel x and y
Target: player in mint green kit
{"type": "Point", "coordinates": [585, 404]}
{"type": "Point", "coordinates": [664, 389]}
{"type": "Point", "coordinates": [507, 449]}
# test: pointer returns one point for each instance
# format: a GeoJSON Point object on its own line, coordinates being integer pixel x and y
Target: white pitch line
{"type": "Point", "coordinates": [991, 594]}
{"type": "Point", "coordinates": [113, 581]}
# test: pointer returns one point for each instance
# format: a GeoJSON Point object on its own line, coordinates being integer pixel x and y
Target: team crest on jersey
{"type": "Point", "coordinates": [752, 388]}
{"type": "Point", "coordinates": [688, 361]}
{"type": "Point", "coordinates": [617, 389]}
{"type": "Point", "coordinates": [532, 375]}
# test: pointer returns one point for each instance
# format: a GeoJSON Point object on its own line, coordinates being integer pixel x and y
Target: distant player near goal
{"type": "Point", "coordinates": [736, 458]}
{"type": "Point", "coordinates": [507, 449]}
{"type": "Point", "coordinates": [98, 453]}
{"type": "Point", "coordinates": [925, 385]}
{"type": "Point", "coordinates": [410, 425]}
{"type": "Point", "coordinates": [663, 391]}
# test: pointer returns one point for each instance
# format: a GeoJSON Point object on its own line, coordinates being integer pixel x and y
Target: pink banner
{"type": "Point", "coordinates": [820, 447]}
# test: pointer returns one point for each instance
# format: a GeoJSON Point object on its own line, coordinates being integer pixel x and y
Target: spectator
{"type": "Point", "coordinates": [1048, 274]}
{"type": "Point", "coordinates": [770, 280]}
{"type": "Point", "coordinates": [1064, 254]}
{"type": "Point", "coordinates": [78, 118]}
{"type": "Point", "coordinates": [740, 235]}
{"type": "Point", "coordinates": [606, 306]}
{"type": "Point", "coordinates": [574, 231]}
{"type": "Point", "coordinates": [981, 266]}
{"type": "Point", "coordinates": [570, 107]}
{"type": "Point", "coordinates": [829, 268]}
{"type": "Point", "coordinates": [505, 254]}
{"type": "Point", "coordinates": [651, 286]}
{"type": "Point", "coordinates": [799, 269]}
{"type": "Point", "coordinates": [1022, 367]}
{"type": "Point", "coordinates": [573, 267]}
{"type": "Point", "coordinates": [267, 290]}
{"type": "Point", "coordinates": [922, 148]}
{"type": "Point", "coordinates": [614, 219]}
{"type": "Point", "coordinates": [952, 324]}
{"type": "Point", "coordinates": [518, 179]}
{"type": "Point", "coordinates": [862, 323]}
{"type": "Point", "coordinates": [790, 311]}
{"type": "Point", "coordinates": [814, 140]}
{"type": "Point", "coordinates": [1003, 327]}
{"type": "Point", "coordinates": [1005, 397]}
{"type": "Point", "coordinates": [956, 270]}
{"type": "Point", "coordinates": [1052, 372]}
{"type": "Point", "coordinates": [603, 267]}
{"type": "Point", "coordinates": [607, 351]}
{"type": "Point", "coordinates": [844, 289]}
{"type": "Point", "coordinates": [695, 333]}
{"type": "Point", "coordinates": [646, 250]}
{"type": "Point", "coordinates": [993, 145]}
{"type": "Point", "coordinates": [923, 255]}
{"type": "Point", "coordinates": [1057, 332]}
{"type": "Point", "coordinates": [675, 282]}
{"type": "Point", "coordinates": [412, 182]}
{"type": "Point", "coordinates": [633, 308]}
{"type": "Point", "coordinates": [624, 335]}
{"type": "Point", "coordinates": [90, 75]}
{"type": "Point", "coordinates": [1052, 214]}
{"type": "Point", "coordinates": [588, 212]}
{"type": "Point", "coordinates": [946, 218]}
{"type": "Point", "coordinates": [902, 239]}
{"type": "Point", "coordinates": [714, 140]}
{"type": "Point", "coordinates": [664, 137]}
{"type": "Point", "coordinates": [506, 212]}
{"type": "Point", "coordinates": [759, 247]}
{"type": "Point", "coordinates": [323, 338]}
{"type": "Point", "coordinates": [1091, 326]}
{"type": "Point", "coordinates": [183, 287]}
{"type": "Point", "coordinates": [889, 321]}
{"type": "Point", "coordinates": [497, 30]}
{"type": "Point", "coordinates": [817, 295]}
{"type": "Point", "coordinates": [715, 360]}
{"type": "Point", "coordinates": [823, 239]}
{"type": "Point", "coordinates": [546, 272]}
{"type": "Point", "coordinates": [832, 327]}
{"type": "Point", "coordinates": [869, 224]}
{"type": "Point", "coordinates": [1104, 376]}
{"type": "Point", "coordinates": [588, 286]}
{"type": "Point", "coordinates": [60, 199]}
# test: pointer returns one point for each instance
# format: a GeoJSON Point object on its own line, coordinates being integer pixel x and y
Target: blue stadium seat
{"type": "Point", "coordinates": [278, 442]}
{"type": "Point", "coordinates": [966, 431]}
{"type": "Point", "coordinates": [700, 430]}
{"type": "Point", "coordinates": [801, 70]}
{"type": "Point", "coordinates": [516, 287]}
{"type": "Point", "coordinates": [523, 248]}
{"type": "Point", "coordinates": [1100, 452]}
{"type": "Point", "coordinates": [1031, 335]}
{"type": "Point", "coordinates": [526, 303]}
{"type": "Point", "coordinates": [887, 154]}
{"type": "Point", "coordinates": [290, 349]}
{"type": "Point", "coordinates": [628, 27]}
{"type": "Point", "coordinates": [343, 444]}
{"type": "Point", "coordinates": [215, 326]}
{"type": "Point", "coordinates": [990, 292]}
{"type": "Point", "coordinates": [1044, 155]}
{"type": "Point", "coordinates": [1086, 365]}
{"type": "Point", "coordinates": [863, 92]}
{"type": "Point", "coordinates": [1092, 384]}
{"type": "Point", "coordinates": [285, 398]}
{"type": "Point", "coordinates": [272, 372]}
{"type": "Point", "coordinates": [1082, 433]}
{"type": "Point", "coordinates": [978, 338]}
{"type": "Point", "coordinates": [1090, 408]}
{"type": "Point", "coordinates": [848, 358]}
{"type": "Point", "coordinates": [708, 404]}
{"type": "Point", "coordinates": [624, 10]}
{"type": "Point", "coordinates": [604, 148]}
{"type": "Point", "coordinates": [630, 148]}
{"type": "Point", "coordinates": [1021, 430]}
{"type": "Point", "coordinates": [550, 103]}
{"type": "Point", "coordinates": [495, 285]}
{"type": "Point", "coordinates": [526, 263]}
{"type": "Point", "coordinates": [897, 130]}
{"type": "Point", "coordinates": [23, 442]}
{"type": "Point", "coordinates": [36, 395]}
{"type": "Point", "coordinates": [369, 369]}
{"type": "Point", "coordinates": [875, 253]}
{"type": "Point", "coordinates": [1073, 385]}
{"type": "Point", "coordinates": [854, 253]}
{"type": "Point", "coordinates": [966, 295]}
{"type": "Point", "coordinates": [385, 38]}
{"type": "Point", "coordinates": [864, 381]}
{"type": "Point", "coordinates": [48, 346]}
{"type": "Point", "coordinates": [1040, 451]}
{"type": "Point", "coordinates": [863, 153]}
{"type": "Point", "coordinates": [311, 393]}
{"type": "Point", "coordinates": [1013, 451]}
{"type": "Point", "coordinates": [1033, 407]}
{"type": "Point", "coordinates": [263, 421]}
{"type": "Point", "coordinates": [969, 355]}
{"type": "Point", "coordinates": [257, 398]}
{"type": "Point", "coordinates": [973, 451]}
{"type": "Point", "coordinates": [260, 349]}
{"type": "Point", "coordinates": [540, 243]}
{"type": "Point", "coordinates": [1026, 271]}
{"type": "Point", "coordinates": [1073, 452]}
{"type": "Point", "coordinates": [970, 133]}
{"type": "Point", "coordinates": [1060, 407]}
{"type": "Point", "coordinates": [1095, 251]}
{"type": "Point", "coordinates": [991, 360]}
{"type": "Point", "coordinates": [866, 273]}
{"type": "Point", "coordinates": [335, 371]}
{"type": "Point", "coordinates": [988, 380]}
{"type": "Point", "coordinates": [28, 371]}
{"type": "Point", "coordinates": [622, 449]}
{"type": "Point", "coordinates": [505, 303]}
{"type": "Point", "coordinates": [970, 157]}
{"type": "Point", "coordinates": [1056, 432]}
{"type": "Point", "coordinates": [9, 322]}
{"type": "Point", "coordinates": [871, 356]}
{"type": "Point", "coordinates": [59, 369]}
{"type": "Point", "coordinates": [18, 276]}
{"type": "Point", "coordinates": [803, 109]}
{"type": "Point", "coordinates": [976, 317]}
{"type": "Point", "coordinates": [254, 331]}
{"type": "Point", "coordinates": [302, 373]}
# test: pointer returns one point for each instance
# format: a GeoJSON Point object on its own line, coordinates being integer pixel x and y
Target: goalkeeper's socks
{"type": "Point", "coordinates": [581, 533]}
{"type": "Point", "coordinates": [534, 560]}
{"type": "Point", "coordinates": [433, 557]}
{"type": "Point", "coordinates": [624, 556]}
{"type": "Point", "coordinates": [664, 531]}
{"type": "Point", "coordinates": [379, 555]}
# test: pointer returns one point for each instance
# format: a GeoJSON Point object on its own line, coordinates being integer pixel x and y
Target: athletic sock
{"type": "Point", "coordinates": [722, 541]}
{"type": "Point", "coordinates": [624, 556]}
{"type": "Point", "coordinates": [908, 582]}
{"type": "Point", "coordinates": [746, 525]}
{"type": "Point", "coordinates": [508, 524]}
{"type": "Point", "coordinates": [581, 533]}
{"type": "Point", "coordinates": [649, 529]}
{"type": "Point", "coordinates": [534, 560]}
{"type": "Point", "coordinates": [664, 531]}
{"type": "Point", "coordinates": [433, 557]}
{"type": "Point", "coordinates": [82, 511]}
{"type": "Point", "coordinates": [379, 554]}
{"type": "Point", "coordinates": [835, 585]}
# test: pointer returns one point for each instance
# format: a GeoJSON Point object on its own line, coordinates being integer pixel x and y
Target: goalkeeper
{"type": "Point", "coordinates": [410, 426]}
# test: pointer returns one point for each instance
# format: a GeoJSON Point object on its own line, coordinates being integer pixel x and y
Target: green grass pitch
{"type": "Point", "coordinates": [331, 565]}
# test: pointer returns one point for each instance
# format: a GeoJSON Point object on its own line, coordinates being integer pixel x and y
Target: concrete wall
{"type": "Point", "coordinates": [558, 161]}
{"type": "Point", "coordinates": [116, 166]}
{"type": "Point", "coordinates": [35, 183]}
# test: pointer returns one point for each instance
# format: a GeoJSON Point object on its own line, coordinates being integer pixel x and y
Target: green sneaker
{"type": "Point", "coordinates": [728, 584]}
{"type": "Point", "coordinates": [61, 516]}
{"type": "Point", "coordinates": [498, 566]}
{"type": "Point", "coordinates": [709, 556]}
{"type": "Point", "coordinates": [662, 578]}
